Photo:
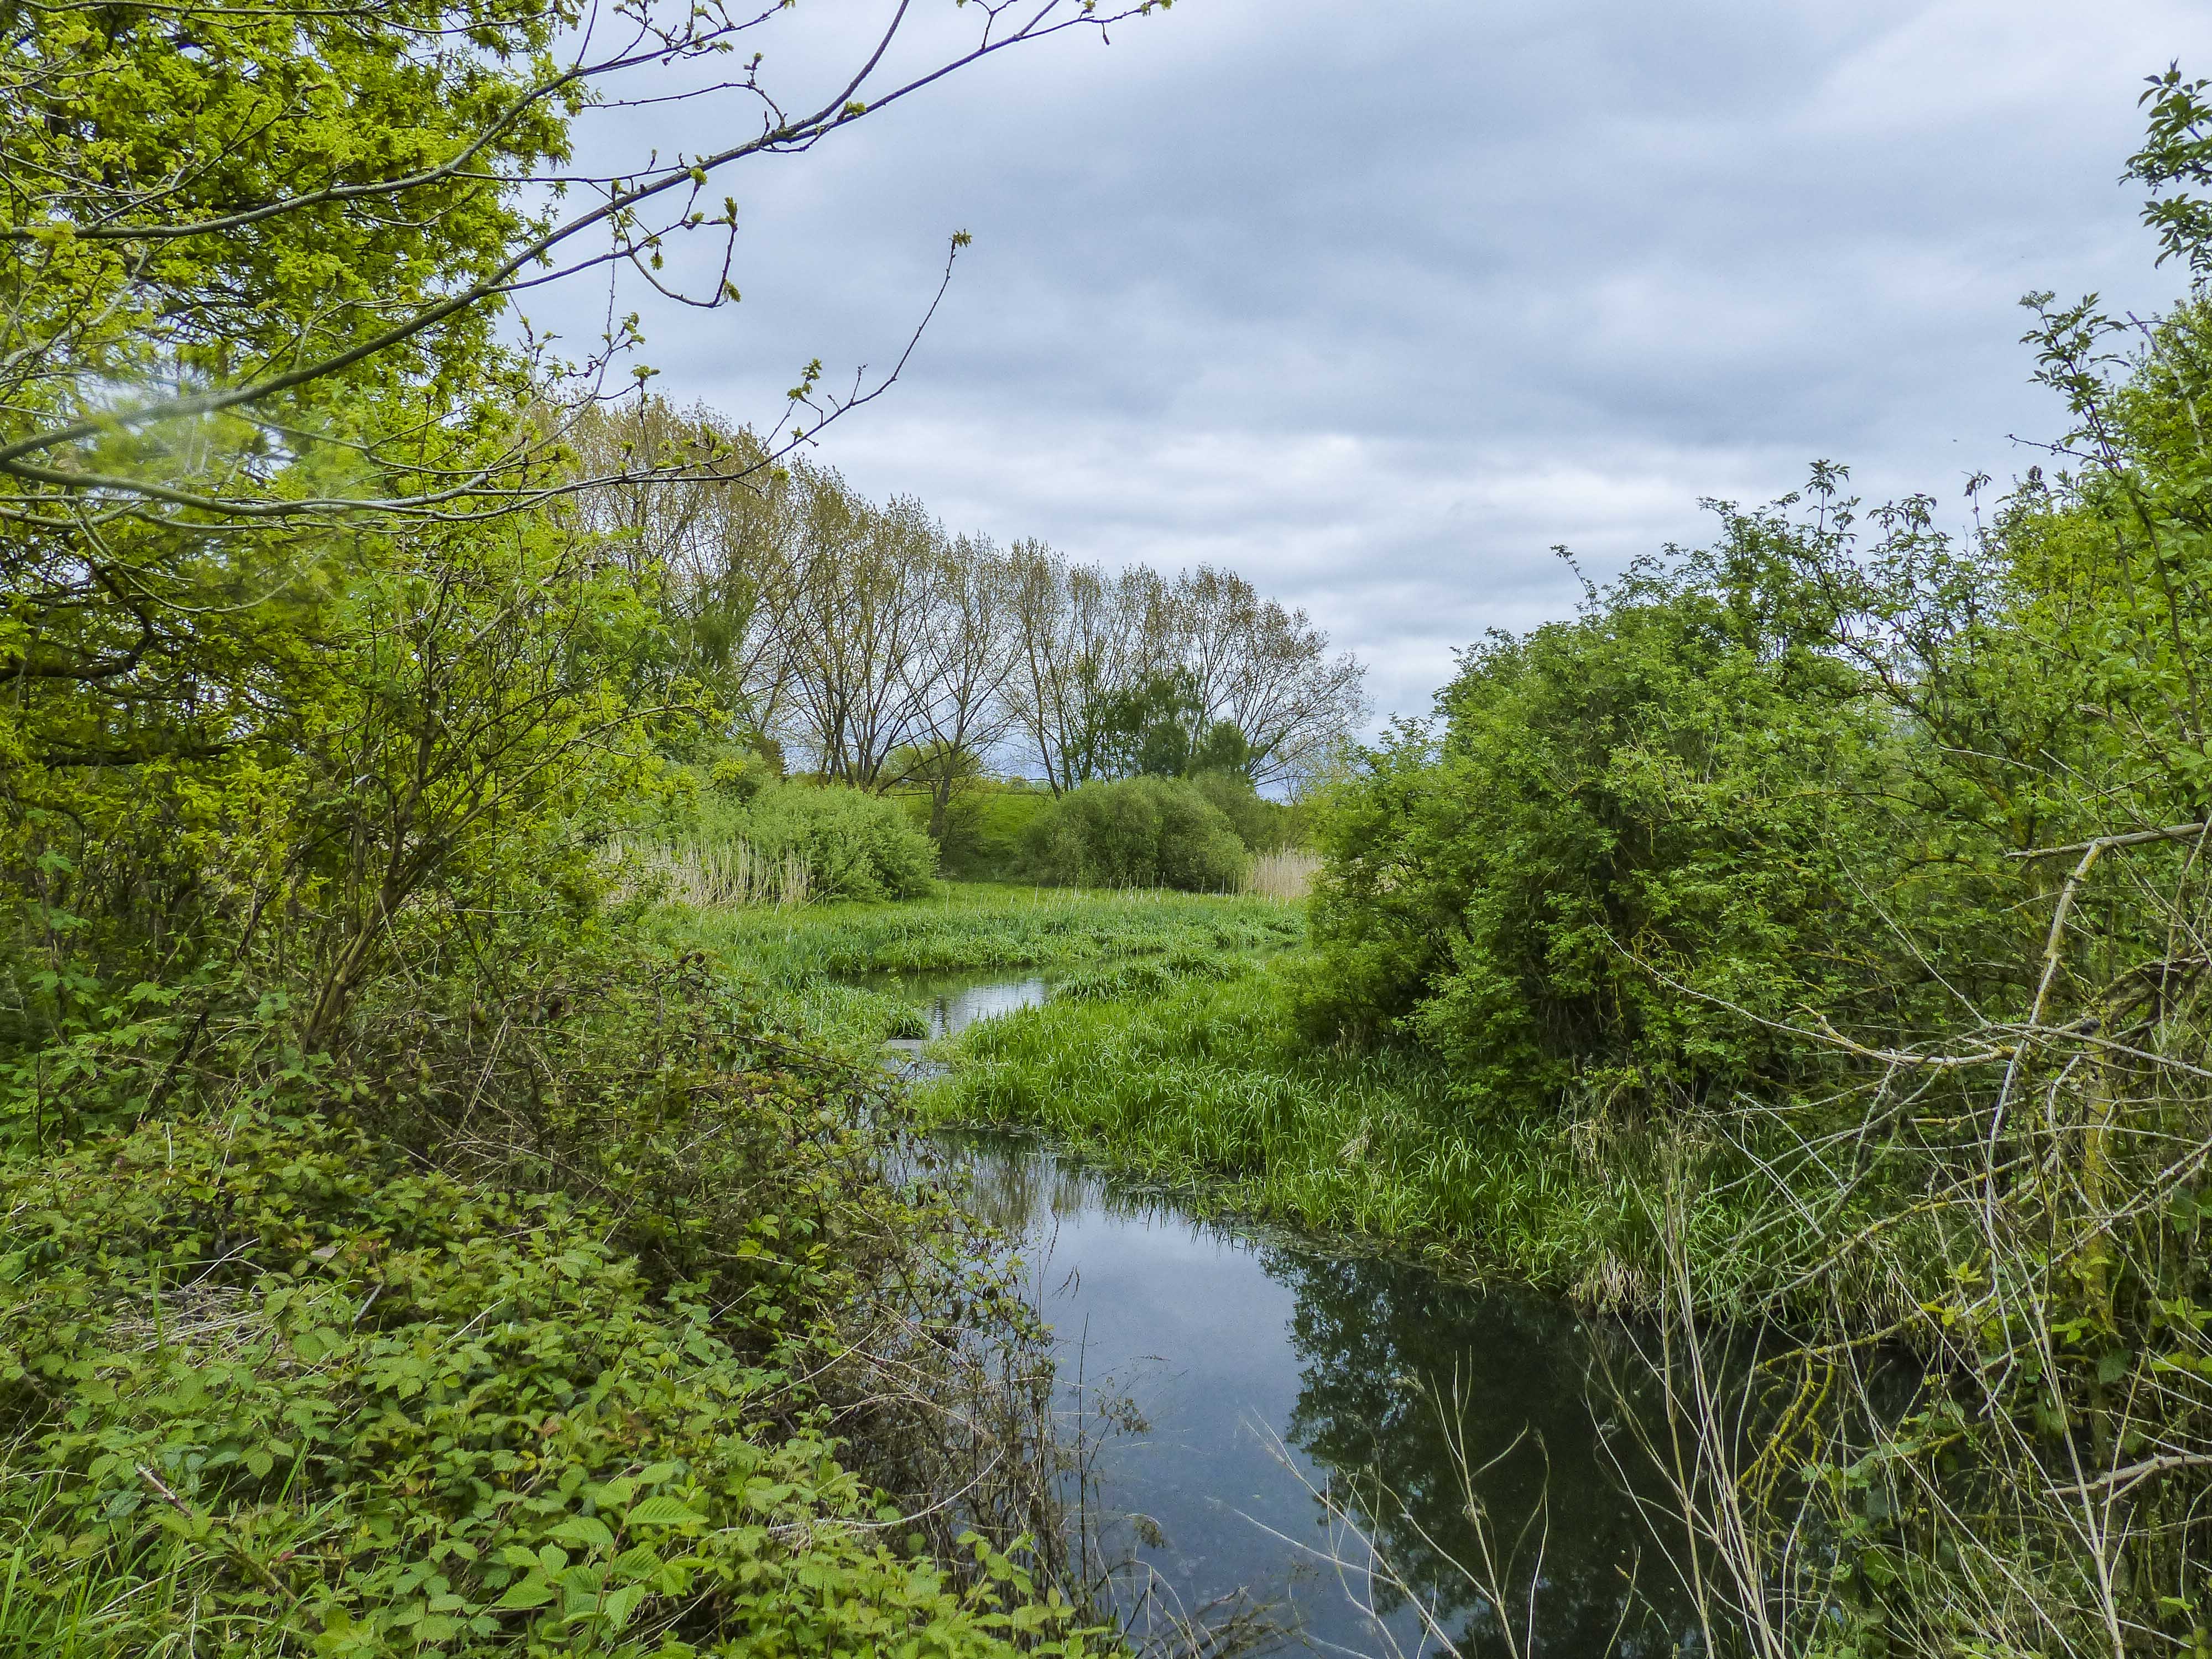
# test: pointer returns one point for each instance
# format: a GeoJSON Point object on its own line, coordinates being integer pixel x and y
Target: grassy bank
{"type": "Point", "coordinates": [975, 925]}
{"type": "Point", "coordinates": [803, 964]}
{"type": "Point", "coordinates": [1167, 1051]}
{"type": "Point", "coordinates": [1189, 1074]}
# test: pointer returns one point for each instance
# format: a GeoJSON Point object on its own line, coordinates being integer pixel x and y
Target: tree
{"type": "Point", "coordinates": [689, 507]}
{"type": "Point", "coordinates": [1146, 729]}
{"type": "Point", "coordinates": [1677, 789]}
{"type": "Point", "coordinates": [1084, 637]}
{"type": "Point", "coordinates": [233, 211]}
{"type": "Point", "coordinates": [967, 653]}
{"type": "Point", "coordinates": [1129, 673]}
{"type": "Point", "coordinates": [290, 612]}
{"type": "Point", "coordinates": [1265, 673]}
{"type": "Point", "coordinates": [853, 610]}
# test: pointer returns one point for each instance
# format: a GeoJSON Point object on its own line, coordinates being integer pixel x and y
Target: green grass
{"type": "Point", "coordinates": [120, 1600]}
{"type": "Point", "coordinates": [975, 926]}
{"type": "Point", "coordinates": [804, 962]}
{"type": "Point", "coordinates": [1196, 1082]}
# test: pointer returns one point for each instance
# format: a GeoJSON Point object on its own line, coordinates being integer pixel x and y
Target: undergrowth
{"type": "Point", "coordinates": [532, 1328]}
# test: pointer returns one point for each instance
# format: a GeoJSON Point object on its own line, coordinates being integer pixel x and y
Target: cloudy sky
{"type": "Point", "coordinates": [1375, 303]}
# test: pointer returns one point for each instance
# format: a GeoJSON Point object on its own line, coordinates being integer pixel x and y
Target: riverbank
{"type": "Point", "coordinates": [1167, 1052]}
{"type": "Point", "coordinates": [1216, 1374]}
{"type": "Point", "coordinates": [1198, 1082]}
{"type": "Point", "coordinates": [1295, 1273]}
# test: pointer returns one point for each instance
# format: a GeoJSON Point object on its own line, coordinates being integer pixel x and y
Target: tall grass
{"type": "Point", "coordinates": [1168, 1050]}
{"type": "Point", "coordinates": [980, 926]}
{"type": "Point", "coordinates": [124, 1597]}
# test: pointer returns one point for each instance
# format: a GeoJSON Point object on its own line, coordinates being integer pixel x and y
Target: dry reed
{"type": "Point", "coordinates": [714, 876]}
{"type": "Point", "coordinates": [1284, 875]}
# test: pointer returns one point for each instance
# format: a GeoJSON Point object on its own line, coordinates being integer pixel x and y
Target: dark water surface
{"type": "Point", "coordinates": [1254, 1371]}
{"type": "Point", "coordinates": [1263, 1372]}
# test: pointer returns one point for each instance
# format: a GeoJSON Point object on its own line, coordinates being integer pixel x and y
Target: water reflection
{"type": "Point", "coordinates": [952, 1002]}
{"type": "Point", "coordinates": [1020, 1187]}
{"type": "Point", "coordinates": [1395, 1366]}
{"type": "Point", "coordinates": [1222, 1339]}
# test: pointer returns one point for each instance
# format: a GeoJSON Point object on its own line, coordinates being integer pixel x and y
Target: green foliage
{"type": "Point", "coordinates": [1156, 727]}
{"type": "Point", "coordinates": [1879, 852]}
{"type": "Point", "coordinates": [220, 721]}
{"type": "Point", "coordinates": [1144, 729]}
{"type": "Point", "coordinates": [1219, 748]}
{"type": "Point", "coordinates": [1138, 832]}
{"type": "Point", "coordinates": [741, 772]}
{"type": "Point", "coordinates": [393, 1263]}
{"type": "Point", "coordinates": [269, 101]}
{"type": "Point", "coordinates": [1264, 826]}
{"type": "Point", "coordinates": [1641, 834]}
{"type": "Point", "coordinates": [855, 845]}
{"type": "Point", "coordinates": [412, 1349]}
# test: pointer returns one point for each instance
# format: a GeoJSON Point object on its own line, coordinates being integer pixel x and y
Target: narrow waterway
{"type": "Point", "coordinates": [1228, 1379]}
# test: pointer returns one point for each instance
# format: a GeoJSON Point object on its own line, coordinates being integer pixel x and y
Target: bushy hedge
{"type": "Point", "coordinates": [853, 845]}
{"type": "Point", "coordinates": [1263, 825]}
{"type": "Point", "coordinates": [1138, 832]}
{"type": "Point", "coordinates": [1631, 828]}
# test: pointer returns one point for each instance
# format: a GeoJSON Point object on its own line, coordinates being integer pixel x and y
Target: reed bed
{"type": "Point", "coordinates": [716, 875]}
{"type": "Point", "coordinates": [1287, 875]}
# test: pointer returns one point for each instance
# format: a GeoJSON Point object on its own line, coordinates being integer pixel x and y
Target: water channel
{"type": "Point", "coordinates": [1256, 1372]}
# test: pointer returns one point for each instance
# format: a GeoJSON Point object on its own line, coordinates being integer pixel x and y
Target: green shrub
{"type": "Point", "coordinates": [1138, 832]}
{"type": "Point", "coordinates": [741, 772]}
{"type": "Point", "coordinates": [340, 1404]}
{"type": "Point", "coordinates": [1263, 825]}
{"type": "Point", "coordinates": [1636, 828]}
{"type": "Point", "coordinates": [853, 845]}
{"type": "Point", "coordinates": [510, 1330]}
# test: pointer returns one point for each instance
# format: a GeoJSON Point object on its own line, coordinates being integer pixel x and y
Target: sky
{"type": "Point", "coordinates": [1376, 303]}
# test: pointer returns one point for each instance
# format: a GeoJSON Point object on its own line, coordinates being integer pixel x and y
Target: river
{"type": "Point", "coordinates": [1253, 1372]}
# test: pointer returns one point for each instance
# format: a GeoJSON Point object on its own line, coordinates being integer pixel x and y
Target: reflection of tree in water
{"type": "Point", "coordinates": [1020, 1187]}
{"type": "Point", "coordinates": [1378, 1343]}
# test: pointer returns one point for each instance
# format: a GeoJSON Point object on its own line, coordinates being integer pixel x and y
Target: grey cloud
{"type": "Point", "coordinates": [1376, 303]}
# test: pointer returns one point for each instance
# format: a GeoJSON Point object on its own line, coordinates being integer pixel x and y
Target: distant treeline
{"type": "Point", "coordinates": [878, 647]}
